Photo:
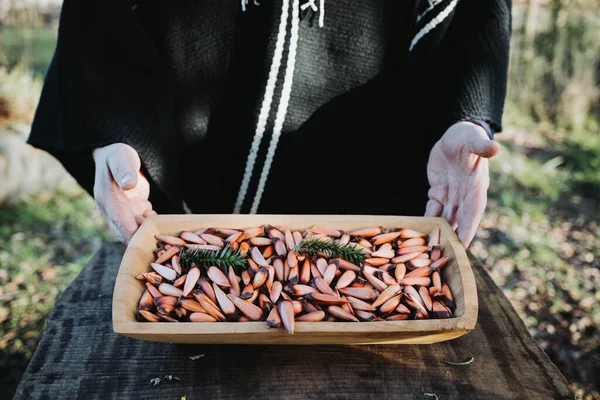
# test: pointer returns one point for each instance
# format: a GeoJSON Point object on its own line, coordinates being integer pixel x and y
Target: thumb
{"type": "Point", "coordinates": [483, 146]}
{"type": "Point", "coordinates": [124, 164]}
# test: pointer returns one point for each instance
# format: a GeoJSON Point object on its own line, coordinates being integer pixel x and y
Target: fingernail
{"type": "Point", "coordinates": [125, 180]}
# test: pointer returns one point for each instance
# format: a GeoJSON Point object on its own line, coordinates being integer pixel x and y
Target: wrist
{"type": "Point", "coordinates": [486, 127]}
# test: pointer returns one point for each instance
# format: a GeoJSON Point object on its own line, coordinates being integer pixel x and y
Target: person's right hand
{"type": "Point", "coordinates": [120, 189]}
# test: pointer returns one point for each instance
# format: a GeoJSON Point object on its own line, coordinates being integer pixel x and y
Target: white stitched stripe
{"type": "Point", "coordinates": [266, 106]}
{"type": "Point", "coordinates": [322, 14]}
{"type": "Point", "coordinates": [432, 4]}
{"type": "Point", "coordinates": [433, 23]}
{"type": "Point", "coordinates": [283, 106]}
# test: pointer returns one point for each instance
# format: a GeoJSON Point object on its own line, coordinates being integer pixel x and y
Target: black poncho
{"type": "Point", "coordinates": [286, 106]}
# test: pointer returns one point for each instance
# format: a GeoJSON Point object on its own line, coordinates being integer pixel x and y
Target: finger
{"type": "Point", "coordinates": [449, 214]}
{"type": "Point", "coordinates": [481, 145]}
{"type": "Point", "coordinates": [472, 208]}
{"type": "Point", "coordinates": [150, 212]}
{"type": "Point", "coordinates": [433, 208]}
{"type": "Point", "coordinates": [124, 164]}
{"type": "Point", "coordinates": [139, 219]}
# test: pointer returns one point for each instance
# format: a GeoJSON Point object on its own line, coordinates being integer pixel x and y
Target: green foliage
{"type": "Point", "coordinates": [223, 258]}
{"type": "Point", "coordinates": [331, 248]}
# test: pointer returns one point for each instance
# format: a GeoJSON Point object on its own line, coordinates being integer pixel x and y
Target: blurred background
{"type": "Point", "coordinates": [539, 237]}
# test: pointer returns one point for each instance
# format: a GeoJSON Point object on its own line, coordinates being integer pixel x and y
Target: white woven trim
{"type": "Point", "coordinates": [283, 106]}
{"type": "Point", "coordinates": [322, 14]}
{"type": "Point", "coordinates": [266, 106]}
{"type": "Point", "coordinates": [433, 23]}
{"type": "Point", "coordinates": [432, 4]}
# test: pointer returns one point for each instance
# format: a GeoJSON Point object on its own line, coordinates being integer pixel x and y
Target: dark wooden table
{"type": "Point", "coordinates": [79, 356]}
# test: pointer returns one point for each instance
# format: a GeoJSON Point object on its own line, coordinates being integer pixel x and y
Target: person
{"type": "Point", "coordinates": [278, 106]}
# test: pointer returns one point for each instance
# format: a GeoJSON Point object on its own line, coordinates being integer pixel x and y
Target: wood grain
{"type": "Point", "coordinates": [79, 356]}
{"type": "Point", "coordinates": [457, 273]}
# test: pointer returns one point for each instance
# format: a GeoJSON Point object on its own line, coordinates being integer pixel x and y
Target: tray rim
{"type": "Point", "coordinates": [381, 331]}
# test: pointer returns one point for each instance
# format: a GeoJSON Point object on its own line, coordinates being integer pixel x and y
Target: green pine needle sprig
{"type": "Point", "coordinates": [222, 258]}
{"type": "Point", "coordinates": [331, 249]}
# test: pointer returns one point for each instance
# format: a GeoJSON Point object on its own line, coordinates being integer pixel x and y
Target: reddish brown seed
{"type": "Point", "coordinates": [152, 277]}
{"type": "Point", "coordinates": [340, 313]}
{"type": "Point", "coordinates": [169, 290]}
{"type": "Point", "coordinates": [286, 312]}
{"type": "Point", "coordinates": [261, 241]}
{"type": "Point", "coordinates": [206, 287]}
{"type": "Point", "coordinates": [330, 273]}
{"type": "Point", "coordinates": [265, 304]}
{"type": "Point", "coordinates": [253, 232]}
{"type": "Point", "coordinates": [323, 287]}
{"type": "Point", "coordinates": [398, 317]}
{"type": "Point", "coordinates": [172, 240]}
{"type": "Point", "coordinates": [225, 304]}
{"type": "Point", "coordinates": [242, 318]}
{"type": "Point", "coordinates": [440, 311]}
{"type": "Point", "coordinates": [167, 273]}
{"type": "Point", "coordinates": [244, 247]}
{"type": "Point", "coordinates": [146, 301]}
{"type": "Point", "coordinates": [180, 281]}
{"type": "Point", "coordinates": [402, 309]}
{"type": "Point", "coordinates": [377, 261]}
{"type": "Point", "coordinates": [377, 284]}
{"type": "Point", "coordinates": [436, 253]}
{"type": "Point", "coordinates": [384, 238]}
{"type": "Point", "coordinates": [213, 240]}
{"type": "Point", "coordinates": [390, 305]}
{"type": "Point", "coordinates": [305, 271]}
{"type": "Point", "coordinates": [439, 264]}
{"type": "Point", "coordinates": [170, 300]}
{"type": "Point", "coordinates": [167, 318]}
{"type": "Point", "coordinates": [347, 307]}
{"type": "Point", "coordinates": [346, 279]}
{"type": "Point", "coordinates": [260, 278]}
{"type": "Point", "coordinates": [181, 313]}
{"type": "Point", "coordinates": [275, 291]}
{"type": "Point", "coordinates": [321, 265]}
{"type": "Point", "coordinates": [359, 304]}
{"type": "Point", "coordinates": [298, 306]}
{"type": "Point", "coordinates": [418, 263]}
{"type": "Point", "coordinates": [191, 238]}
{"type": "Point", "coordinates": [404, 258]}
{"type": "Point", "coordinates": [153, 291]}
{"type": "Point", "coordinates": [344, 240]}
{"type": "Point", "coordinates": [400, 271]}
{"type": "Point", "coordinates": [365, 315]}
{"type": "Point", "coordinates": [165, 309]}
{"type": "Point", "coordinates": [303, 290]}
{"type": "Point", "coordinates": [209, 306]}
{"type": "Point", "coordinates": [254, 297]}
{"type": "Point", "coordinates": [274, 233]}
{"type": "Point", "coordinates": [365, 244]}
{"type": "Point", "coordinates": [366, 232]}
{"type": "Point", "coordinates": [150, 316]}
{"type": "Point", "coordinates": [387, 294]}
{"type": "Point", "coordinates": [309, 307]}
{"type": "Point", "coordinates": [448, 297]}
{"type": "Point", "coordinates": [363, 293]}
{"type": "Point", "coordinates": [248, 309]}
{"type": "Point", "coordinates": [191, 305]}
{"type": "Point", "coordinates": [248, 292]}
{"type": "Point", "coordinates": [422, 256]}
{"type": "Point", "coordinates": [345, 265]}
{"type": "Point", "coordinates": [386, 278]}
{"type": "Point", "coordinates": [274, 320]}
{"type": "Point", "coordinates": [191, 280]}
{"type": "Point", "coordinates": [411, 249]}
{"type": "Point", "coordinates": [424, 293]}
{"type": "Point", "coordinates": [419, 281]}
{"type": "Point", "coordinates": [384, 251]}
{"type": "Point", "coordinates": [167, 255]}
{"type": "Point", "coordinates": [419, 272]}
{"type": "Point", "coordinates": [285, 296]}
{"type": "Point", "coordinates": [410, 233]}
{"type": "Point", "coordinates": [320, 298]}
{"type": "Point", "coordinates": [289, 240]}
{"type": "Point", "coordinates": [201, 317]}
{"type": "Point", "coordinates": [314, 271]}
{"type": "Point", "coordinates": [280, 247]}
{"type": "Point", "coordinates": [246, 277]}
{"type": "Point", "coordinates": [292, 259]}
{"type": "Point", "coordinates": [268, 252]}
{"type": "Point", "coordinates": [419, 241]}
{"type": "Point", "coordinates": [297, 237]}
{"type": "Point", "coordinates": [218, 277]}
{"type": "Point", "coordinates": [436, 280]}
{"type": "Point", "coordinates": [257, 257]}
{"type": "Point", "coordinates": [331, 319]}
{"type": "Point", "coordinates": [225, 231]}
{"type": "Point", "coordinates": [279, 269]}
{"type": "Point", "coordinates": [175, 264]}
{"type": "Point", "coordinates": [312, 317]}
{"type": "Point", "coordinates": [234, 237]}
{"type": "Point", "coordinates": [233, 281]}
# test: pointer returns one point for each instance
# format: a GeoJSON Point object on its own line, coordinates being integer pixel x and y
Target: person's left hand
{"type": "Point", "coordinates": [458, 175]}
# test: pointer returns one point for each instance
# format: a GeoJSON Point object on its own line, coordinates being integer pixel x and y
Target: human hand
{"type": "Point", "coordinates": [459, 177]}
{"type": "Point", "coordinates": [120, 189]}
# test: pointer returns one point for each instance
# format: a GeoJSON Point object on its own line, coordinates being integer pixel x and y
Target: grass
{"type": "Point", "coordinates": [45, 243]}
